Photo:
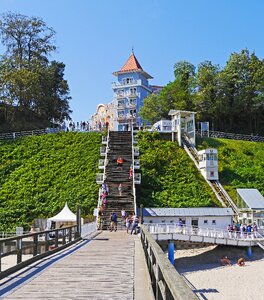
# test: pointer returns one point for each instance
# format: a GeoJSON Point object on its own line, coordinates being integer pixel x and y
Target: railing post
{"type": "Point", "coordinates": [35, 247]}
{"type": "Point", "coordinates": [19, 250]}
{"type": "Point", "coordinates": [1, 251]}
{"type": "Point", "coordinates": [78, 222]}
{"type": "Point", "coordinates": [171, 251]}
{"type": "Point", "coordinates": [141, 214]}
{"type": "Point", "coordinates": [46, 241]}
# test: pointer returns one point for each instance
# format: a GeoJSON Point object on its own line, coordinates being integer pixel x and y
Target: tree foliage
{"type": "Point", "coordinates": [231, 98]}
{"type": "Point", "coordinates": [31, 86]}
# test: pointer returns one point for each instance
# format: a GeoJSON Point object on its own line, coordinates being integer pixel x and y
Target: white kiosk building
{"type": "Point", "coordinates": [208, 164]}
{"type": "Point", "coordinates": [183, 124]}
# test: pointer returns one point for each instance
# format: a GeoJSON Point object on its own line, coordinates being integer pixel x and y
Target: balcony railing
{"type": "Point", "coordinates": [132, 104]}
{"type": "Point", "coordinates": [122, 83]}
{"type": "Point", "coordinates": [120, 96]}
{"type": "Point", "coordinates": [120, 106]}
{"type": "Point", "coordinates": [132, 95]}
{"type": "Point", "coordinates": [121, 117]}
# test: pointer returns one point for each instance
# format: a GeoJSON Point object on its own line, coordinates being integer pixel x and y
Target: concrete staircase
{"type": "Point", "coordinates": [120, 144]}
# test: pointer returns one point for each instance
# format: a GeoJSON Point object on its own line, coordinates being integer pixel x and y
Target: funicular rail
{"type": "Point", "coordinates": [216, 186]}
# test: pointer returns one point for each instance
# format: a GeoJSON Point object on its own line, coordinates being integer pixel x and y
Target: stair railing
{"type": "Point", "coordinates": [99, 202]}
{"type": "Point", "coordinates": [133, 177]}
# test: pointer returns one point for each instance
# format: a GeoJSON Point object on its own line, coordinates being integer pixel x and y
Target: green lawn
{"type": "Point", "coordinates": [39, 174]}
{"type": "Point", "coordinates": [241, 163]}
{"type": "Point", "coordinates": [169, 176]}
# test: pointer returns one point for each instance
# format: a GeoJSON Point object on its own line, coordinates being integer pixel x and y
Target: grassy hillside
{"type": "Point", "coordinates": [39, 174]}
{"type": "Point", "coordinates": [169, 176]}
{"type": "Point", "coordinates": [241, 163]}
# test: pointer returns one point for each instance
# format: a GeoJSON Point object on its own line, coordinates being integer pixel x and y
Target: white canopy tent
{"type": "Point", "coordinates": [65, 217]}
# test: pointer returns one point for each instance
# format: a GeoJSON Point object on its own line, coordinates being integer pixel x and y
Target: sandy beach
{"type": "Point", "coordinates": [201, 269]}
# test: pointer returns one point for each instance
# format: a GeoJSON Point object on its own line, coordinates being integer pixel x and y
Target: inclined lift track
{"type": "Point", "coordinates": [215, 185]}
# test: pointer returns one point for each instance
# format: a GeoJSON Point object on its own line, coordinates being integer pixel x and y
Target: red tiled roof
{"type": "Point", "coordinates": [131, 64]}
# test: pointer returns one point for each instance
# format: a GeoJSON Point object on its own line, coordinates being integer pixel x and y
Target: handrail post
{"type": "Point", "coordinates": [78, 222]}
{"type": "Point", "coordinates": [19, 250]}
{"type": "Point", "coordinates": [35, 247]}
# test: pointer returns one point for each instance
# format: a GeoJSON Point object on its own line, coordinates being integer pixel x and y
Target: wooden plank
{"type": "Point", "coordinates": [101, 269]}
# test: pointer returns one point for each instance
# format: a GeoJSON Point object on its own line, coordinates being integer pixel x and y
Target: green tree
{"type": "Point", "coordinates": [31, 87]}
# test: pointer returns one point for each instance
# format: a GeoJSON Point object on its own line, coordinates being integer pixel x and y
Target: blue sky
{"type": "Point", "coordinates": [95, 37]}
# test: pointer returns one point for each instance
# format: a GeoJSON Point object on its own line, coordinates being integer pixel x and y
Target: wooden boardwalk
{"type": "Point", "coordinates": [102, 268]}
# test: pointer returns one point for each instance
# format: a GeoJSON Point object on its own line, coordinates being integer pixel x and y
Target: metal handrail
{"type": "Point", "coordinates": [133, 177]}
{"type": "Point", "coordinates": [202, 231]}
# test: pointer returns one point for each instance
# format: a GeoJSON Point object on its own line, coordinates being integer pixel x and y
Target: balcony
{"type": "Point", "coordinates": [136, 164]}
{"type": "Point", "coordinates": [132, 104]}
{"type": "Point", "coordinates": [137, 178]}
{"type": "Point", "coordinates": [132, 95]}
{"type": "Point", "coordinates": [120, 106]}
{"type": "Point", "coordinates": [123, 84]}
{"type": "Point", "coordinates": [99, 178]}
{"type": "Point", "coordinates": [120, 118]}
{"type": "Point", "coordinates": [120, 96]}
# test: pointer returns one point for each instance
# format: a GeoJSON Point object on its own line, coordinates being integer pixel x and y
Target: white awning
{"type": "Point", "coordinates": [66, 215]}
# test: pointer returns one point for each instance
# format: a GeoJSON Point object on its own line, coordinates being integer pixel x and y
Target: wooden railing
{"type": "Point", "coordinates": [27, 248]}
{"type": "Point", "coordinates": [166, 282]}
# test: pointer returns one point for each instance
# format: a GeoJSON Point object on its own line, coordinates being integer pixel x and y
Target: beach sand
{"type": "Point", "coordinates": [201, 269]}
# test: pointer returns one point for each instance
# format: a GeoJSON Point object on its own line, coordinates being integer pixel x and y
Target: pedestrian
{"type": "Point", "coordinates": [113, 221]}
{"type": "Point", "coordinates": [120, 162]}
{"type": "Point", "coordinates": [128, 222]}
{"type": "Point", "coordinates": [131, 172]}
{"type": "Point", "coordinates": [135, 221]}
{"type": "Point", "coordinates": [255, 230]}
{"type": "Point", "coordinates": [123, 215]}
{"type": "Point", "coordinates": [120, 189]}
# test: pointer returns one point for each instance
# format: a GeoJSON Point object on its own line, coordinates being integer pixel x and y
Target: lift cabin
{"type": "Point", "coordinates": [208, 163]}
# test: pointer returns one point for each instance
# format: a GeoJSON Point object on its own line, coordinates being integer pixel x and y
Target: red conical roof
{"type": "Point", "coordinates": [131, 64]}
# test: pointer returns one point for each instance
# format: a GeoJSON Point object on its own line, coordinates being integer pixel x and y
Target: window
{"type": "Point", "coordinates": [150, 221]}
{"type": "Point", "coordinates": [211, 174]}
{"type": "Point", "coordinates": [133, 91]}
{"type": "Point", "coordinates": [162, 221]}
{"type": "Point", "coordinates": [132, 113]}
{"type": "Point", "coordinates": [127, 80]}
{"type": "Point", "coordinates": [171, 221]}
{"type": "Point", "coordinates": [120, 103]}
{"type": "Point", "coordinates": [213, 222]}
{"type": "Point", "coordinates": [121, 114]}
{"type": "Point", "coordinates": [206, 222]}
